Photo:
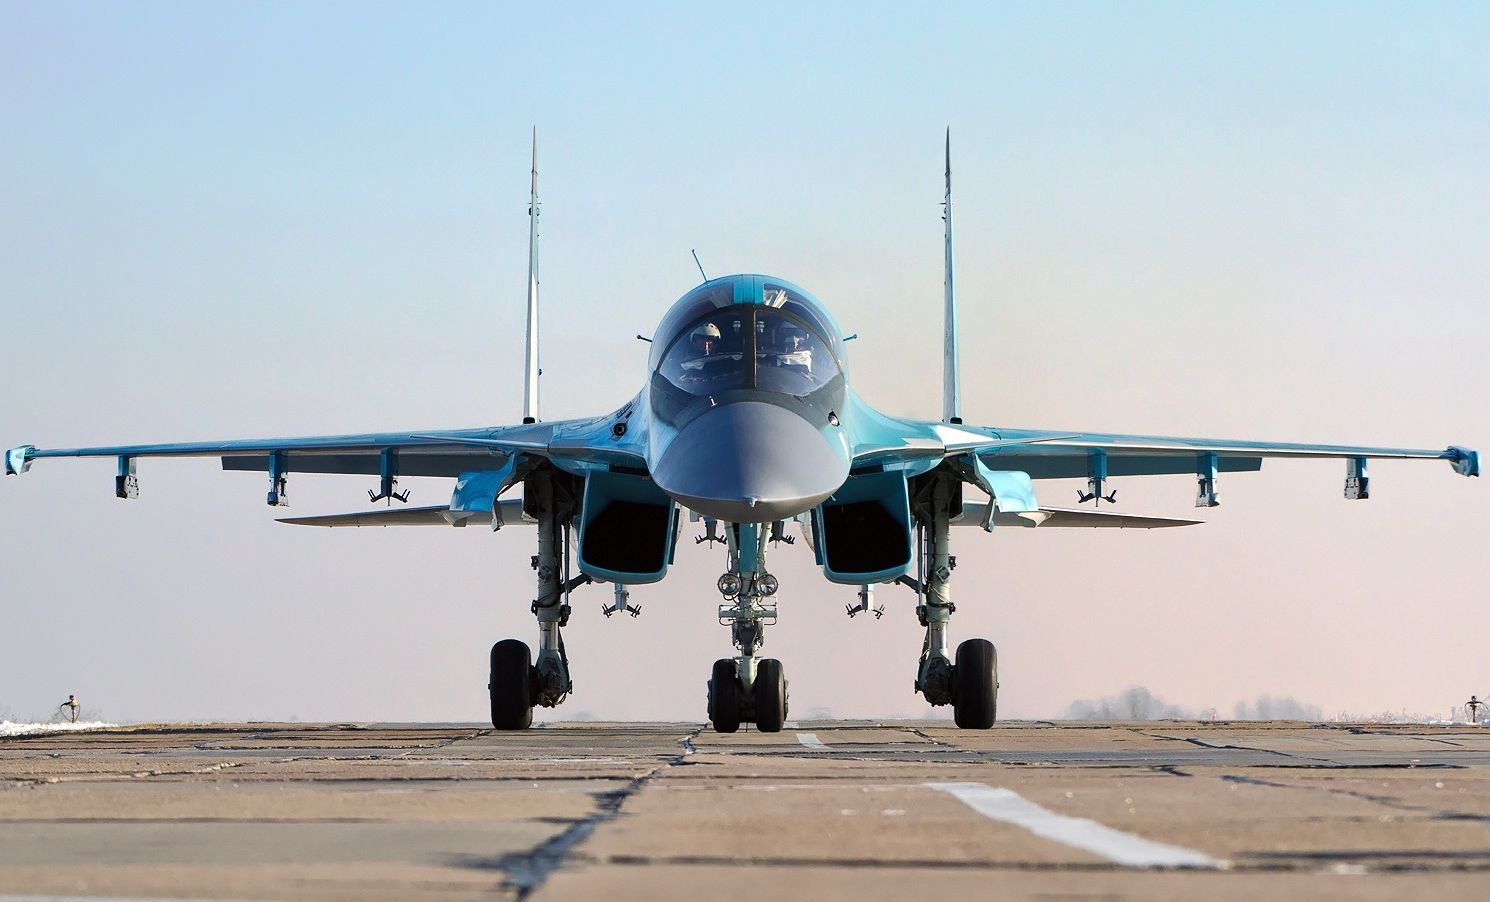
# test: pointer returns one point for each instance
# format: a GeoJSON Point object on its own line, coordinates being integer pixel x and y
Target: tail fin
{"type": "Point", "coordinates": [532, 372]}
{"type": "Point", "coordinates": [951, 371]}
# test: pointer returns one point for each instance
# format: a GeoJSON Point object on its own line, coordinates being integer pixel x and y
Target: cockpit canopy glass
{"type": "Point", "coordinates": [749, 346]}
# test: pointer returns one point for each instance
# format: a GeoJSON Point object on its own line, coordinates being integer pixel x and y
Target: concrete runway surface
{"type": "Point", "coordinates": [824, 810]}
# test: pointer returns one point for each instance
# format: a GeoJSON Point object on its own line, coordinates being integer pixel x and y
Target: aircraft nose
{"type": "Point", "coordinates": [750, 462]}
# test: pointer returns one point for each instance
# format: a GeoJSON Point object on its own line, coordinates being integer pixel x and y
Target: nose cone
{"type": "Point", "coordinates": [750, 462]}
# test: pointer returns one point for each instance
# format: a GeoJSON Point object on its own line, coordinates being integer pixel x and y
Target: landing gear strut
{"type": "Point", "coordinates": [970, 684]}
{"type": "Point", "coordinates": [518, 682]}
{"type": "Point", "coordinates": [747, 689]}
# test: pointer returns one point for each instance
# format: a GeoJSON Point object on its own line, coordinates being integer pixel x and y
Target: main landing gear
{"type": "Point", "coordinates": [970, 682]}
{"type": "Point", "coordinates": [518, 682]}
{"type": "Point", "coordinates": [747, 689]}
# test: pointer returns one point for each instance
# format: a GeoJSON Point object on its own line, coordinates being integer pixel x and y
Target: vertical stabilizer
{"type": "Point", "coordinates": [532, 372]}
{"type": "Point", "coordinates": [951, 372]}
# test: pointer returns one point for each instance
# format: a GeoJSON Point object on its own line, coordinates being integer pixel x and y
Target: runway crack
{"type": "Point", "coordinates": [1384, 801]}
{"type": "Point", "coordinates": [1361, 731]}
{"type": "Point", "coordinates": [1192, 740]}
{"type": "Point", "coordinates": [929, 738]}
{"type": "Point", "coordinates": [527, 871]}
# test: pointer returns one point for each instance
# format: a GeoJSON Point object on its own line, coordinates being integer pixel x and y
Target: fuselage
{"type": "Point", "coordinates": [746, 396]}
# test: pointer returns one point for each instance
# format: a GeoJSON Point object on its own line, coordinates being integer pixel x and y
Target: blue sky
{"type": "Point", "coordinates": [1249, 220]}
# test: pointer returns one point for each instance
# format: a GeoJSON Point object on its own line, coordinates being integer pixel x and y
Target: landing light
{"type": "Point", "coordinates": [766, 584]}
{"type": "Point", "coordinates": [730, 585]}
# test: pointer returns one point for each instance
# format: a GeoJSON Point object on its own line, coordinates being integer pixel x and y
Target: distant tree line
{"type": "Point", "coordinates": [1138, 703]}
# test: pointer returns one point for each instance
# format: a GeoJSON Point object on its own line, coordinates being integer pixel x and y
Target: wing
{"type": "Point", "coordinates": [1047, 454]}
{"type": "Point", "coordinates": [450, 452]}
{"type": "Point", "coordinates": [1130, 455]}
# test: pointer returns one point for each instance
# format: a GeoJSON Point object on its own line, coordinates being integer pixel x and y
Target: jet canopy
{"type": "Point", "coordinates": [778, 343]}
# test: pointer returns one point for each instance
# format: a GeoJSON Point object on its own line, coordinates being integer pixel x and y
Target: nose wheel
{"type": "Point", "coordinates": [770, 696]}
{"type": "Point", "coordinates": [724, 696]}
{"type": "Point", "coordinates": [763, 704]}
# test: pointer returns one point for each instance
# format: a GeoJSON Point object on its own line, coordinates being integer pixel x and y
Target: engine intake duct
{"type": "Point", "coordinates": [628, 529]}
{"type": "Point", "coordinates": [862, 534]}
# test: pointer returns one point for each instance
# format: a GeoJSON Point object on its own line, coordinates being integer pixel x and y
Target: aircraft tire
{"type": "Point", "coordinates": [770, 696]}
{"type": "Point", "coordinates": [511, 685]}
{"type": "Point", "coordinates": [724, 696]}
{"type": "Point", "coordinates": [975, 685]}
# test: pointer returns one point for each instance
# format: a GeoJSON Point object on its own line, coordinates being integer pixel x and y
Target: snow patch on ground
{"type": "Point", "coordinates": [7, 728]}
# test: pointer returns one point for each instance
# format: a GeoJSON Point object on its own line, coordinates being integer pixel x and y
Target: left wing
{"type": "Point", "coordinates": [1098, 455]}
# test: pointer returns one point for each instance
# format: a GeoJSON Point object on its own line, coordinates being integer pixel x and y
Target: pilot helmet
{"type": "Point", "coordinates": [792, 337]}
{"type": "Point", "coordinates": [705, 337]}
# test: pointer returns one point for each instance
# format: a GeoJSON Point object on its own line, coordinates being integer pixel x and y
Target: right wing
{"type": "Point", "coordinates": [449, 452]}
{"type": "Point", "coordinates": [357, 453]}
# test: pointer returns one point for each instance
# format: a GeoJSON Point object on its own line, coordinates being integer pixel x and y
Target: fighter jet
{"type": "Point", "coordinates": [746, 419]}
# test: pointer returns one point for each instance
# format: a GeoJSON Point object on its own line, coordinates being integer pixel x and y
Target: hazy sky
{"type": "Point", "coordinates": [226, 221]}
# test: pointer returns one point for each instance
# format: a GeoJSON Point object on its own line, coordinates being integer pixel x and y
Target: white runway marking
{"type": "Point", "coordinates": [1078, 832]}
{"type": "Point", "coordinates": [791, 724]}
{"type": "Point", "coordinates": [810, 740]}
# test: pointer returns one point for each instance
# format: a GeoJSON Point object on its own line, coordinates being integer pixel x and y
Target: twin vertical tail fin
{"type": "Point", "coordinates": [532, 371]}
{"type": "Point", "coordinates": [951, 370]}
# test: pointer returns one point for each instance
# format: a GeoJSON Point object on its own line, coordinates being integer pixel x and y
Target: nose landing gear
{"type": "Point", "coordinates": [747, 689]}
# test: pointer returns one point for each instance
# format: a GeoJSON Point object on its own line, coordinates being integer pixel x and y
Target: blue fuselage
{"type": "Point", "coordinates": [746, 397]}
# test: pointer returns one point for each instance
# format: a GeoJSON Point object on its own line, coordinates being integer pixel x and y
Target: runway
{"type": "Point", "coordinates": [823, 810]}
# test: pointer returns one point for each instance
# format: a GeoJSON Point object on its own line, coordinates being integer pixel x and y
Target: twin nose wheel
{"type": "Point", "coordinates": [764, 704]}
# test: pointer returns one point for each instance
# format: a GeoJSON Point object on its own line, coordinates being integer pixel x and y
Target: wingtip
{"type": "Point", "coordinates": [18, 460]}
{"type": "Point", "coordinates": [1466, 461]}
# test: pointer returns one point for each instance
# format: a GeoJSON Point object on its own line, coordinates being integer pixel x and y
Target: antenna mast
{"type": "Point", "coordinates": [951, 372]}
{"type": "Point", "coordinates": [532, 372]}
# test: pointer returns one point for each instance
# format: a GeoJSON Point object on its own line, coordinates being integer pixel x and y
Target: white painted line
{"type": "Point", "coordinates": [791, 724]}
{"type": "Point", "coordinates": [1078, 832]}
{"type": "Point", "coordinates": [810, 740]}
